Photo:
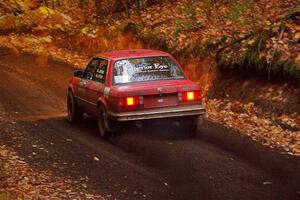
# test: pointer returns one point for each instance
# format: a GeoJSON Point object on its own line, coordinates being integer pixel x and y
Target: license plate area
{"type": "Point", "coordinates": [163, 100]}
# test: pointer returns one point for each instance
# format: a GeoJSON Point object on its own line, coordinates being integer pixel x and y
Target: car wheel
{"type": "Point", "coordinates": [74, 113]}
{"type": "Point", "coordinates": [192, 124]}
{"type": "Point", "coordinates": [103, 122]}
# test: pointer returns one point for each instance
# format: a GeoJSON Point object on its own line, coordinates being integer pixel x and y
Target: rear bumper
{"type": "Point", "coordinates": [158, 113]}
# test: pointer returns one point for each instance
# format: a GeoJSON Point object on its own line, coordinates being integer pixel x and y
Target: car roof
{"type": "Point", "coordinates": [133, 53]}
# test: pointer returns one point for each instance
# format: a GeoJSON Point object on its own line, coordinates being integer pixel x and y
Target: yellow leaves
{"type": "Point", "coordinates": [251, 42]}
{"type": "Point", "coordinates": [276, 131]}
{"type": "Point", "coordinates": [46, 12]}
{"type": "Point", "coordinates": [85, 29]}
{"type": "Point", "coordinates": [268, 23]}
{"type": "Point", "coordinates": [297, 36]}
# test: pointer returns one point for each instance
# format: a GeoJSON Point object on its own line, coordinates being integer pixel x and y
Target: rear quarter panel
{"type": "Point", "coordinates": [73, 85]}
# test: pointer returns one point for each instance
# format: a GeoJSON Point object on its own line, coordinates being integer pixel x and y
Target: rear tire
{"type": "Point", "coordinates": [192, 124]}
{"type": "Point", "coordinates": [75, 115]}
{"type": "Point", "coordinates": [103, 122]}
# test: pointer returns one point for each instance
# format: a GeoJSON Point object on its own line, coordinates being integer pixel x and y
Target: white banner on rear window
{"type": "Point", "coordinates": [121, 79]}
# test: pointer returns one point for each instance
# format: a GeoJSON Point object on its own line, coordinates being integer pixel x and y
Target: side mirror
{"type": "Point", "coordinates": [78, 73]}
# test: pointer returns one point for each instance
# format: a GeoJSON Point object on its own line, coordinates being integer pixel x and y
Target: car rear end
{"type": "Point", "coordinates": [150, 88]}
{"type": "Point", "coordinates": [156, 101]}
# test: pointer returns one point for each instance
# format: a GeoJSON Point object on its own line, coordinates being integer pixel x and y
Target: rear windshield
{"type": "Point", "coordinates": [146, 69]}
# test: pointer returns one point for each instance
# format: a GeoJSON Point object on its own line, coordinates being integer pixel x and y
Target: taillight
{"type": "Point", "coordinates": [130, 102]}
{"type": "Point", "coordinates": [189, 96]}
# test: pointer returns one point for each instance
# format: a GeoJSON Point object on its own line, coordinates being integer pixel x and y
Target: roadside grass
{"type": "Point", "coordinates": [253, 59]}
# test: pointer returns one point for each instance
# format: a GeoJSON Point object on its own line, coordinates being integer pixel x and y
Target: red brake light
{"type": "Point", "coordinates": [190, 96]}
{"type": "Point", "coordinates": [131, 101]}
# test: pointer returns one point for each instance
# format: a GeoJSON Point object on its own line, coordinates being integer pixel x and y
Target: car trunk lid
{"type": "Point", "coordinates": [158, 93]}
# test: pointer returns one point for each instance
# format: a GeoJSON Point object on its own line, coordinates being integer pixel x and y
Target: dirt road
{"type": "Point", "coordinates": [153, 162]}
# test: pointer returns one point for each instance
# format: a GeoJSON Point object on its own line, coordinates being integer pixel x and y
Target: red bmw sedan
{"type": "Point", "coordinates": [134, 85]}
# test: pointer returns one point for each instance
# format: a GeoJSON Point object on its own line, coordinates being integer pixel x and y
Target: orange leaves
{"type": "Point", "coordinates": [22, 181]}
{"type": "Point", "coordinates": [279, 132]}
{"type": "Point", "coordinates": [7, 22]}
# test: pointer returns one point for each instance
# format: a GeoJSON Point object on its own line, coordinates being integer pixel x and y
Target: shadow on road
{"type": "Point", "coordinates": [158, 159]}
